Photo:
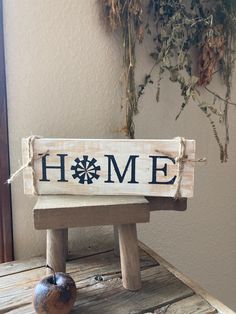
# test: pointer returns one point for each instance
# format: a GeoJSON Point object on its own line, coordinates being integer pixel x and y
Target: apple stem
{"type": "Point", "coordinates": [54, 274]}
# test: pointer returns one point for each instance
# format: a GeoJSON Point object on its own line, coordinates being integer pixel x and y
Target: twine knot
{"type": "Point", "coordinates": [29, 163]}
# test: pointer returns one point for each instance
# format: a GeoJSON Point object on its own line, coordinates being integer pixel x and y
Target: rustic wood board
{"type": "Point", "coordinates": [15, 267]}
{"type": "Point", "coordinates": [166, 203]}
{"type": "Point", "coordinates": [162, 292]}
{"type": "Point", "coordinates": [67, 211]}
{"type": "Point", "coordinates": [108, 167]}
{"type": "Point", "coordinates": [193, 304]}
{"type": "Point", "coordinates": [218, 305]}
{"type": "Point", "coordinates": [18, 288]}
{"type": "Point", "coordinates": [158, 287]}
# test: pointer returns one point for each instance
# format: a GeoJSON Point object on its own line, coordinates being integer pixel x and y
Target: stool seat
{"type": "Point", "coordinates": [68, 211]}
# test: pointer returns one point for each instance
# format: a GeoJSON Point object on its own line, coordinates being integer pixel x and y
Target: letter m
{"type": "Point", "coordinates": [130, 163]}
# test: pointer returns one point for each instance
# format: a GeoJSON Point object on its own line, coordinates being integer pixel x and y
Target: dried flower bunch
{"type": "Point", "coordinates": [179, 29]}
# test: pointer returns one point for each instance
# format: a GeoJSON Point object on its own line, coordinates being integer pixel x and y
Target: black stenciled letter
{"type": "Point", "coordinates": [164, 169]}
{"type": "Point", "coordinates": [112, 160]}
{"type": "Point", "coordinates": [61, 167]}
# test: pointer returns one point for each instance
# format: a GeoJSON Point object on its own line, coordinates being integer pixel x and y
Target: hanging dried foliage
{"type": "Point", "coordinates": [178, 28]}
{"type": "Point", "coordinates": [212, 51]}
{"type": "Point", "coordinates": [127, 16]}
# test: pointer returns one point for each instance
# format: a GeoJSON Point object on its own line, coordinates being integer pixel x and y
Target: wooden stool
{"type": "Point", "coordinates": [57, 213]}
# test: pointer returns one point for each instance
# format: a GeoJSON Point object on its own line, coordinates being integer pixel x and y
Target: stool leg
{"type": "Point", "coordinates": [116, 241]}
{"type": "Point", "coordinates": [129, 257]}
{"type": "Point", "coordinates": [56, 250]}
{"type": "Point", "coordinates": [66, 243]}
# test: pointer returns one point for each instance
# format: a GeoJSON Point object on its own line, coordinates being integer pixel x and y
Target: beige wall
{"type": "Point", "coordinates": [63, 75]}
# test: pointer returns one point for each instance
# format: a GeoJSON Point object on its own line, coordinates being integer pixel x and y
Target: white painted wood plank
{"type": "Point", "coordinates": [141, 183]}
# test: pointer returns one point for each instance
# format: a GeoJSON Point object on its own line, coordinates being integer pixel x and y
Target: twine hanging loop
{"type": "Point", "coordinates": [30, 162]}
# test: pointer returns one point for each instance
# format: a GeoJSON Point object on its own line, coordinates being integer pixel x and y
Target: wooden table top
{"type": "Point", "coordinates": [99, 286]}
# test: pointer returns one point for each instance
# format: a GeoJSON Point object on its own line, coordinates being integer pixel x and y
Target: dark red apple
{"type": "Point", "coordinates": [55, 294]}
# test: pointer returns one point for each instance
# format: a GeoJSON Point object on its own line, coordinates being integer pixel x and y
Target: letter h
{"type": "Point", "coordinates": [61, 167]}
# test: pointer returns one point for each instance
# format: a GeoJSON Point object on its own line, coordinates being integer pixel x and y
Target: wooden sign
{"type": "Point", "coordinates": [109, 167]}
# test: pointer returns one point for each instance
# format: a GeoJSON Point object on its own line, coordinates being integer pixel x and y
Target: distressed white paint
{"type": "Point", "coordinates": [139, 169]}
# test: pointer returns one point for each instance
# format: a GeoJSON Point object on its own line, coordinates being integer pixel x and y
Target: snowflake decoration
{"type": "Point", "coordinates": [85, 170]}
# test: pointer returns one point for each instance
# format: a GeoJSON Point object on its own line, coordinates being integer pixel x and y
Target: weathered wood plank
{"type": "Point", "coordinates": [21, 266]}
{"type": "Point", "coordinates": [167, 203]}
{"type": "Point", "coordinates": [189, 282]}
{"type": "Point", "coordinates": [67, 211]}
{"type": "Point", "coordinates": [16, 290]}
{"type": "Point", "coordinates": [194, 305]}
{"type": "Point", "coordinates": [15, 267]}
{"type": "Point", "coordinates": [159, 287]}
{"type": "Point", "coordinates": [26, 309]}
{"type": "Point", "coordinates": [121, 167]}
{"type": "Point", "coordinates": [100, 291]}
